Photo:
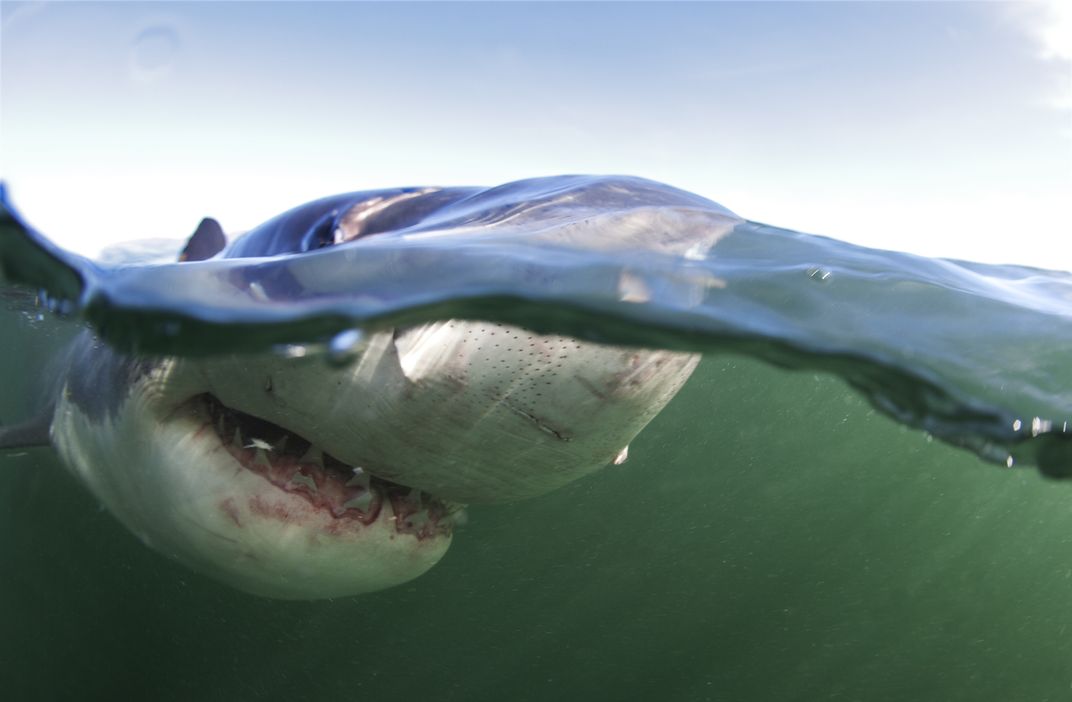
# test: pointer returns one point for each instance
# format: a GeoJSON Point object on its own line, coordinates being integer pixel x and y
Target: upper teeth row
{"type": "Point", "coordinates": [314, 455]}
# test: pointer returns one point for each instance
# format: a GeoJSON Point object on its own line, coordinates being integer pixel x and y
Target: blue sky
{"type": "Point", "coordinates": [939, 128]}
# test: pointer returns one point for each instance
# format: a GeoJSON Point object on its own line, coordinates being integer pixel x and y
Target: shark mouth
{"type": "Point", "coordinates": [295, 465]}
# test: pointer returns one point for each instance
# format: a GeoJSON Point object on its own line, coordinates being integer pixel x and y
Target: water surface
{"type": "Point", "coordinates": [978, 355]}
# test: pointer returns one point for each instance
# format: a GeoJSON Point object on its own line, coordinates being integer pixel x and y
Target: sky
{"type": "Point", "coordinates": [943, 129]}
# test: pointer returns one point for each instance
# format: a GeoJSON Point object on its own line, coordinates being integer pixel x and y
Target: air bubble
{"type": "Point", "coordinates": [345, 347]}
{"type": "Point", "coordinates": [290, 350]}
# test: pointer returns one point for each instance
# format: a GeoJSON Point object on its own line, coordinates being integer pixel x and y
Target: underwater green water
{"type": "Point", "coordinates": [771, 538]}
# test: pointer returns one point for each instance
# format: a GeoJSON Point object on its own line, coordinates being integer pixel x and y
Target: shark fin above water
{"type": "Point", "coordinates": [206, 241]}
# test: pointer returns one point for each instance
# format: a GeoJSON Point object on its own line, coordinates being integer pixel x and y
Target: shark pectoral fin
{"type": "Point", "coordinates": [29, 434]}
{"type": "Point", "coordinates": [206, 241]}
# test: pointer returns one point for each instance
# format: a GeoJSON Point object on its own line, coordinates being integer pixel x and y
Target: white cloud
{"type": "Point", "coordinates": [1055, 30]}
{"type": "Point", "coordinates": [1049, 24]}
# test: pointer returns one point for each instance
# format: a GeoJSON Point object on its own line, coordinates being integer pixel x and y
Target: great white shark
{"type": "Point", "coordinates": [290, 477]}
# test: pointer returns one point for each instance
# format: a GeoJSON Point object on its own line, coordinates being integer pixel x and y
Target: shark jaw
{"type": "Point", "coordinates": [247, 502]}
{"type": "Point", "coordinates": [294, 465]}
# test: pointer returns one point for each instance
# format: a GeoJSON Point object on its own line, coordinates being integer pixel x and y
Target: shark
{"type": "Point", "coordinates": [289, 477]}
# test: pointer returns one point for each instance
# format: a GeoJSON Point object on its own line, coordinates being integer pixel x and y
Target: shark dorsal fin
{"type": "Point", "coordinates": [206, 241]}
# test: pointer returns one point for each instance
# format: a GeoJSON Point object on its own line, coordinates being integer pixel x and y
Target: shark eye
{"type": "Point", "coordinates": [322, 233]}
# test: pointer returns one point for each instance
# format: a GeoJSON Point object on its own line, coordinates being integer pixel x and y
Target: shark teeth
{"type": "Point", "coordinates": [347, 492]}
{"type": "Point", "coordinates": [418, 520]}
{"type": "Point", "coordinates": [360, 502]}
{"type": "Point", "coordinates": [303, 480]}
{"type": "Point", "coordinates": [314, 455]}
{"type": "Point", "coordinates": [360, 491]}
{"type": "Point", "coordinates": [410, 513]}
{"type": "Point", "coordinates": [359, 479]}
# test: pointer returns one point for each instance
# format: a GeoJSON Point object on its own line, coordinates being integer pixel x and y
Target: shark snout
{"type": "Point", "coordinates": [633, 374]}
{"type": "Point", "coordinates": [471, 412]}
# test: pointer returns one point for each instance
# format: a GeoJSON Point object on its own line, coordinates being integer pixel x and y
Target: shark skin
{"type": "Point", "coordinates": [294, 478]}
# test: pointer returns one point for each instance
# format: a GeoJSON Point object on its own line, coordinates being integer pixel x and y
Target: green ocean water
{"type": "Point", "coordinates": [771, 538]}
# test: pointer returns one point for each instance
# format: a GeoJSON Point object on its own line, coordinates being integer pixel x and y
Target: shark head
{"type": "Point", "coordinates": [291, 477]}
